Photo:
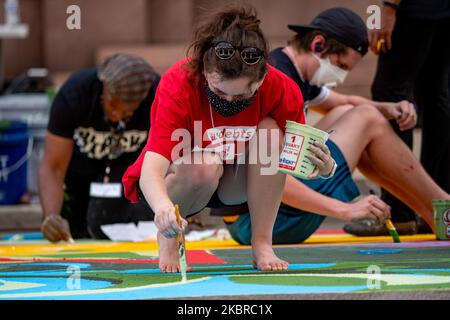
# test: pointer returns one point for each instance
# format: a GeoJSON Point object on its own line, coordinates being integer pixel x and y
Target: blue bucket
{"type": "Point", "coordinates": [14, 139]}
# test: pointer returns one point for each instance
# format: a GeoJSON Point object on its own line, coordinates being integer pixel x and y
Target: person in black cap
{"type": "Point", "coordinates": [320, 55]}
{"type": "Point", "coordinates": [414, 65]}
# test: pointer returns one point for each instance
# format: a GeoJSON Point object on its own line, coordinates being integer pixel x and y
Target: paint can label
{"type": "Point", "coordinates": [446, 218]}
{"type": "Point", "coordinates": [441, 210]}
{"type": "Point", "coordinates": [293, 144]}
{"type": "Point", "coordinates": [297, 140]}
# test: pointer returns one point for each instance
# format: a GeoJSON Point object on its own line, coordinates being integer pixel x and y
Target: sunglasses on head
{"type": "Point", "coordinates": [225, 50]}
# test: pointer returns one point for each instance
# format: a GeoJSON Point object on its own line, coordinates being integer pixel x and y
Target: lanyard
{"type": "Point", "coordinates": [107, 172]}
{"type": "Point", "coordinates": [115, 148]}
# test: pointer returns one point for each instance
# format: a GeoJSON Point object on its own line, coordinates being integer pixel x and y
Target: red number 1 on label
{"type": "Point", "coordinates": [293, 139]}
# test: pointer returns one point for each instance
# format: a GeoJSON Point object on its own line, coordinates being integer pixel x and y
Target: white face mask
{"type": "Point", "coordinates": [327, 74]}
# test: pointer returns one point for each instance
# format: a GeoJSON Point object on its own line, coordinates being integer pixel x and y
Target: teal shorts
{"type": "Point", "coordinates": [293, 225]}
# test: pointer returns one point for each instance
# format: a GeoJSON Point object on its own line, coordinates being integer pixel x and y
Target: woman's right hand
{"type": "Point", "coordinates": [166, 222]}
{"type": "Point", "coordinates": [368, 207]}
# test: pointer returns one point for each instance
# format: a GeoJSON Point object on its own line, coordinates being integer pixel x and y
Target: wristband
{"type": "Point", "coordinates": [45, 216]}
{"type": "Point", "coordinates": [333, 171]}
{"type": "Point", "coordinates": [390, 4]}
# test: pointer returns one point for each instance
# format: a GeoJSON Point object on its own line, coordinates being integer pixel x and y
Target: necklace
{"type": "Point", "coordinates": [211, 114]}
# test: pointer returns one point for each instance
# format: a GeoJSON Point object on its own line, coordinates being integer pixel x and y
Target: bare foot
{"type": "Point", "coordinates": [265, 259]}
{"type": "Point", "coordinates": [169, 260]}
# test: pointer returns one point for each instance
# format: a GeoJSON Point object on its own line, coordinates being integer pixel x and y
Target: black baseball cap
{"type": "Point", "coordinates": [342, 24]}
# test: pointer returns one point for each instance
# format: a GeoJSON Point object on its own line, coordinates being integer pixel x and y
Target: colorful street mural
{"type": "Point", "coordinates": [105, 270]}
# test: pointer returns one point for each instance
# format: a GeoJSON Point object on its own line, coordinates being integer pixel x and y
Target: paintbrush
{"type": "Point", "coordinates": [390, 226]}
{"type": "Point", "coordinates": [181, 248]}
{"type": "Point", "coordinates": [392, 230]}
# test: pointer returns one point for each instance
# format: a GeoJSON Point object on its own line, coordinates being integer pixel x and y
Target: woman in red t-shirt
{"type": "Point", "coordinates": [216, 119]}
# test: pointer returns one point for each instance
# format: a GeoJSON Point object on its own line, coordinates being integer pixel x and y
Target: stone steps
{"type": "Point", "coordinates": [24, 218]}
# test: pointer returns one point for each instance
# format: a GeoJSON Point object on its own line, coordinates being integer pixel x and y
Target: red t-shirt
{"type": "Point", "coordinates": [181, 103]}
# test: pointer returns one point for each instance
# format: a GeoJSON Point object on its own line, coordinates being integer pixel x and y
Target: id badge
{"type": "Point", "coordinates": [105, 190]}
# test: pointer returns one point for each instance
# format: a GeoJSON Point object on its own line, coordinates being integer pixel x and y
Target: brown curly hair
{"type": "Point", "coordinates": [236, 25]}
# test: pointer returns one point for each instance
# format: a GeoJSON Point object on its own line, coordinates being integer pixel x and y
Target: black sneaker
{"type": "Point", "coordinates": [371, 228]}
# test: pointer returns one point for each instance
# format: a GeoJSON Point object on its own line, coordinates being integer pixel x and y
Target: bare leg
{"type": "Point", "coordinates": [387, 159]}
{"type": "Point", "coordinates": [353, 130]}
{"type": "Point", "coordinates": [232, 188]}
{"type": "Point", "coordinates": [413, 195]}
{"type": "Point", "coordinates": [332, 116]}
{"type": "Point", "coordinates": [395, 163]}
{"type": "Point", "coordinates": [264, 194]}
{"type": "Point", "coordinates": [191, 186]}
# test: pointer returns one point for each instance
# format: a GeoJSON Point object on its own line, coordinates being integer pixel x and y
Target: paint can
{"type": "Point", "coordinates": [441, 210]}
{"type": "Point", "coordinates": [297, 140]}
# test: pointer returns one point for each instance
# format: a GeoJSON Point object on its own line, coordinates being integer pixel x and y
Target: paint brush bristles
{"type": "Point", "coordinates": [390, 226]}
{"type": "Point", "coordinates": [181, 248]}
{"type": "Point", "coordinates": [392, 230]}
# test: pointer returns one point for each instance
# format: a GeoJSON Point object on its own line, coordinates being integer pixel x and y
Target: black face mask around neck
{"type": "Point", "coordinates": [224, 107]}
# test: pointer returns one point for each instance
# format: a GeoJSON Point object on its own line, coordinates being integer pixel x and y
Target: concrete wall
{"type": "Point", "coordinates": [103, 22]}
{"type": "Point", "coordinates": [170, 21]}
{"type": "Point", "coordinates": [145, 22]}
{"type": "Point", "coordinates": [275, 15]}
{"type": "Point", "coordinates": [22, 54]}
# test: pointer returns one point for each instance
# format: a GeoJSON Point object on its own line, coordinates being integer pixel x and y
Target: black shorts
{"type": "Point", "coordinates": [218, 208]}
{"type": "Point", "coordinates": [87, 214]}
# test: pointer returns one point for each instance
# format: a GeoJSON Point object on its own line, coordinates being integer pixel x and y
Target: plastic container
{"type": "Point", "coordinates": [32, 108]}
{"type": "Point", "coordinates": [14, 142]}
{"type": "Point", "coordinates": [297, 139]}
